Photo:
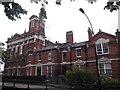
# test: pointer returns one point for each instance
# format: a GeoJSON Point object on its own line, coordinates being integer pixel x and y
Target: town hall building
{"type": "Point", "coordinates": [31, 54]}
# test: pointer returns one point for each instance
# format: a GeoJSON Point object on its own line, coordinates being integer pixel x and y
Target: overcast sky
{"type": "Point", "coordinates": [61, 19]}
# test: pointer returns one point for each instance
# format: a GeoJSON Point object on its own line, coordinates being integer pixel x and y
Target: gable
{"type": "Point", "coordinates": [102, 40]}
{"type": "Point", "coordinates": [102, 36]}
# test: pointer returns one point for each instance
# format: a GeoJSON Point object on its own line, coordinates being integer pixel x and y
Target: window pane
{"type": "Point", "coordinates": [49, 55]}
{"type": "Point", "coordinates": [101, 66]}
{"type": "Point", "coordinates": [64, 56]}
{"type": "Point", "coordinates": [102, 72]}
{"type": "Point", "coordinates": [105, 69]}
{"type": "Point", "coordinates": [101, 69]}
{"type": "Point", "coordinates": [105, 48]}
{"type": "Point", "coordinates": [39, 56]}
{"type": "Point", "coordinates": [49, 71]}
{"type": "Point", "coordinates": [108, 72]}
{"type": "Point", "coordinates": [32, 24]}
{"type": "Point", "coordinates": [99, 49]}
{"type": "Point", "coordinates": [78, 51]}
{"type": "Point", "coordinates": [108, 66]}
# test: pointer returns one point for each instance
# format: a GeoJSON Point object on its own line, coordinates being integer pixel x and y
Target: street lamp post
{"type": "Point", "coordinates": [81, 10]}
{"type": "Point", "coordinates": [86, 54]}
{"type": "Point", "coordinates": [57, 64]}
{"type": "Point", "coordinates": [70, 53]}
{"type": "Point", "coordinates": [98, 76]}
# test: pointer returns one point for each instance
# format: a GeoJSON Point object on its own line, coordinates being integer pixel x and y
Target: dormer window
{"type": "Point", "coordinates": [102, 46]}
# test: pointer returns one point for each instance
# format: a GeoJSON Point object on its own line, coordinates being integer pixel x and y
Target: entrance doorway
{"type": "Point", "coordinates": [38, 71]}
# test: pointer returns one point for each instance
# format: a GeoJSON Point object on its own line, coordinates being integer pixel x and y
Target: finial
{"type": "Point", "coordinates": [99, 30]}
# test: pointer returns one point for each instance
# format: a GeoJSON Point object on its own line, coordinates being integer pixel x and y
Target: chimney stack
{"type": "Point", "coordinates": [90, 34]}
{"type": "Point", "coordinates": [118, 35]}
{"type": "Point", "coordinates": [69, 37]}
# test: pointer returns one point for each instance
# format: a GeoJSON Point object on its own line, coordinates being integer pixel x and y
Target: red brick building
{"type": "Point", "coordinates": [30, 54]}
{"type": "Point", "coordinates": [21, 48]}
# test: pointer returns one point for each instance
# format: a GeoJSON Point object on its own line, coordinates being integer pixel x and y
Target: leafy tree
{"type": "Point", "coordinates": [2, 52]}
{"type": "Point", "coordinates": [81, 77]}
{"type": "Point", "coordinates": [112, 6]}
{"type": "Point", "coordinates": [13, 10]}
{"type": "Point", "coordinates": [42, 14]}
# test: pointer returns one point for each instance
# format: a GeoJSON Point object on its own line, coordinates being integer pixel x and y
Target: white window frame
{"type": "Point", "coordinates": [30, 68]}
{"type": "Point", "coordinates": [21, 49]}
{"type": "Point", "coordinates": [39, 56]}
{"type": "Point", "coordinates": [105, 69]}
{"type": "Point", "coordinates": [49, 66]}
{"type": "Point", "coordinates": [102, 49]}
{"type": "Point", "coordinates": [11, 51]}
{"type": "Point", "coordinates": [77, 52]}
{"type": "Point", "coordinates": [32, 23]}
{"type": "Point", "coordinates": [16, 49]}
{"type": "Point", "coordinates": [65, 57]}
{"type": "Point", "coordinates": [50, 55]}
{"type": "Point", "coordinates": [100, 42]}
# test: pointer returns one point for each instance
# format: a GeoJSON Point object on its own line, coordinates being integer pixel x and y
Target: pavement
{"type": "Point", "coordinates": [34, 86]}
{"type": "Point", "coordinates": [21, 85]}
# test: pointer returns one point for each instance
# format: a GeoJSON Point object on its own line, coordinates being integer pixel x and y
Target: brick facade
{"type": "Point", "coordinates": [30, 54]}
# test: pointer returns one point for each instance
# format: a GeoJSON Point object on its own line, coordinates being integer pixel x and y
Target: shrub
{"type": "Point", "coordinates": [81, 77]}
{"type": "Point", "coordinates": [109, 81]}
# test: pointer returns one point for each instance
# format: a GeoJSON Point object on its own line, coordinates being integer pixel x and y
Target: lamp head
{"type": "Point", "coordinates": [81, 10]}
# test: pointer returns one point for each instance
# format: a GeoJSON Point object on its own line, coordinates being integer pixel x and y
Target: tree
{"type": "Point", "coordinates": [112, 6]}
{"type": "Point", "coordinates": [42, 14]}
{"type": "Point", "coordinates": [13, 10]}
{"type": "Point", "coordinates": [81, 77]}
{"type": "Point", "coordinates": [2, 52]}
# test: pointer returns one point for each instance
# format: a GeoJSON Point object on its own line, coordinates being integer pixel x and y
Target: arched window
{"type": "Point", "coordinates": [102, 46]}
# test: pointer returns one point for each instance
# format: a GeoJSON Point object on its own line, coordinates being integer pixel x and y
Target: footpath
{"type": "Point", "coordinates": [23, 86]}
